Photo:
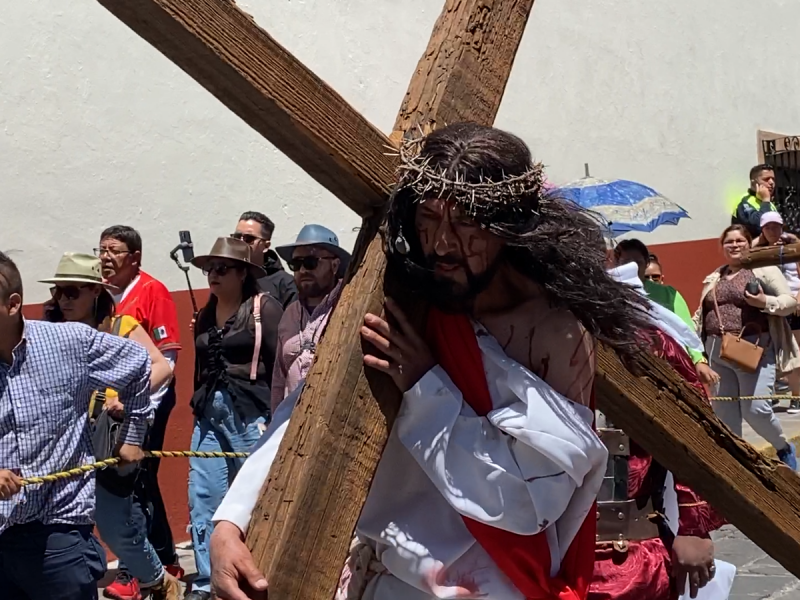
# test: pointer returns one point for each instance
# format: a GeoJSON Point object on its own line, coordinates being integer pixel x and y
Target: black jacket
{"type": "Point", "coordinates": [277, 282]}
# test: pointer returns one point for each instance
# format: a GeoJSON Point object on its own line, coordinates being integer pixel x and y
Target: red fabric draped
{"type": "Point", "coordinates": [644, 570]}
{"type": "Point", "coordinates": [525, 559]}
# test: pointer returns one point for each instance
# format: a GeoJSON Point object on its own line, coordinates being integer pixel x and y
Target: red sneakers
{"type": "Point", "coordinates": [124, 587]}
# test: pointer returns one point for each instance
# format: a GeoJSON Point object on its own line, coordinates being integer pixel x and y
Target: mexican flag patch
{"type": "Point", "coordinates": [160, 333]}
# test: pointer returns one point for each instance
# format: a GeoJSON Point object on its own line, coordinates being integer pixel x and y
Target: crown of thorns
{"type": "Point", "coordinates": [514, 197]}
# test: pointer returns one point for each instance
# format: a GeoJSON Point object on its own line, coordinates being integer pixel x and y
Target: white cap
{"type": "Point", "coordinates": [771, 217]}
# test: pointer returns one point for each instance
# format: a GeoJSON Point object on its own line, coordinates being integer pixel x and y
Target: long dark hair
{"type": "Point", "coordinates": [552, 241]}
{"type": "Point", "coordinates": [104, 309]}
{"type": "Point", "coordinates": [207, 317]}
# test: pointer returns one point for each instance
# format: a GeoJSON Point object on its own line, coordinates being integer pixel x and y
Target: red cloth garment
{"type": "Point", "coordinates": [150, 303]}
{"type": "Point", "coordinates": [524, 559]}
{"type": "Point", "coordinates": [644, 570]}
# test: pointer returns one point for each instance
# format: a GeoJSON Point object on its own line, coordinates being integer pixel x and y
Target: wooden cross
{"type": "Point", "coordinates": [302, 528]}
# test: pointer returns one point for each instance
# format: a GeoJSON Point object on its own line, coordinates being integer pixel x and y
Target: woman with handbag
{"type": "Point", "coordinates": [742, 322]}
{"type": "Point", "coordinates": [236, 335]}
{"type": "Point", "coordinates": [79, 294]}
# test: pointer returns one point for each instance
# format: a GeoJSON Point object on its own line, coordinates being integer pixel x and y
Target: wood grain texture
{"type": "Point", "coordinates": [669, 419]}
{"type": "Point", "coordinates": [771, 255]}
{"type": "Point", "coordinates": [224, 50]}
{"type": "Point", "coordinates": [312, 500]}
{"type": "Point", "coordinates": [470, 55]}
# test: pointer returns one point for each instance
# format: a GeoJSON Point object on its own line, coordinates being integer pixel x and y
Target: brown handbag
{"type": "Point", "coordinates": [740, 352]}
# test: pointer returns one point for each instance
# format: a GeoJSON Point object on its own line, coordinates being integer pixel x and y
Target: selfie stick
{"type": "Point", "coordinates": [185, 268]}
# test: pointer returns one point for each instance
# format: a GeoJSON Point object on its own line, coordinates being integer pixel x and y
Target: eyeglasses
{"type": "Point", "coordinates": [219, 269]}
{"type": "Point", "coordinates": [309, 263]}
{"type": "Point", "coordinates": [247, 238]}
{"type": "Point", "coordinates": [70, 292]}
{"type": "Point", "coordinates": [653, 277]}
{"type": "Point", "coordinates": [98, 252]}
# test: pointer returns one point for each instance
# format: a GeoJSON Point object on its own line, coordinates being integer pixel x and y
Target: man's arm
{"type": "Point", "coordinates": [123, 365]}
{"type": "Point", "coordinates": [681, 310]}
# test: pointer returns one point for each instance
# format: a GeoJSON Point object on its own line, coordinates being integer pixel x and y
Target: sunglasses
{"type": "Point", "coordinates": [309, 263]}
{"type": "Point", "coordinates": [247, 238]}
{"type": "Point", "coordinates": [653, 277]}
{"type": "Point", "coordinates": [70, 292]}
{"type": "Point", "coordinates": [219, 269]}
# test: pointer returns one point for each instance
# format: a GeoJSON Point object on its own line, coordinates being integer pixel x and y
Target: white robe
{"type": "Point", "coordinates": [533, 464]}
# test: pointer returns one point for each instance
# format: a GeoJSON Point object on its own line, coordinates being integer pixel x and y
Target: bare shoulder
{"type": "Point", "coordinates": [553, 344]}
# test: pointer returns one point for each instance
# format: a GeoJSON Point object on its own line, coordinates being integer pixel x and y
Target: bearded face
{"type": "Point", "coordinates": [462, 256]}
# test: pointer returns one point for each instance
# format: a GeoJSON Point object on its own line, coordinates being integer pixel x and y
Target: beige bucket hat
{"type": "Point", "coordinates": [75, 267]}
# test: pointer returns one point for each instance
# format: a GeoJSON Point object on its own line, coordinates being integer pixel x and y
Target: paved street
{"type": "Point", "coordinates": [758, 577]}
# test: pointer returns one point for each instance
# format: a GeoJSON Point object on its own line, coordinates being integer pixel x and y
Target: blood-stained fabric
{"type": "Point", "coordinates": [643, 570]}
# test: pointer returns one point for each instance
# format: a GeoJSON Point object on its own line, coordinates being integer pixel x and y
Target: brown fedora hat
{"type": "Point", "coordinates": [231, 249]}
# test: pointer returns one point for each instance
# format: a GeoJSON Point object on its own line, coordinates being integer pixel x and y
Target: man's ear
{"type": "Point", "coordinates": [336, 262]}
{"type": "Point", "coordinates": [136, 258]}
{"type": "Point", "coordinates": [14, 304]}
{"type": "Point", "coordinates": [267, 244]}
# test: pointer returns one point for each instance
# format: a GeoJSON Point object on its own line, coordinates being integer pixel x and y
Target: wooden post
{"type": "Point", "coordinates": [668, 418]}
{"type": "Point", "coordinates": [310, 504]}
{"type": "Point", "coordinates": [771, 255]}
{"type": "Point", "coordinates": [226, 52]}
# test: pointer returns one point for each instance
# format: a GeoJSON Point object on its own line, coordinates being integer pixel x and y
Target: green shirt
{"type": "Point", "coordinates": [671, 299]}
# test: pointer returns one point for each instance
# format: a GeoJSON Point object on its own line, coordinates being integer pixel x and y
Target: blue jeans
{"type": "Point", "coordinates": [737, 382]}
{"type": "Point", "coordinates": [50, 562]}
{"type": "Point", "coordinates": [123, 526]}
{"type": "Point", "coordinates": [220, 428]}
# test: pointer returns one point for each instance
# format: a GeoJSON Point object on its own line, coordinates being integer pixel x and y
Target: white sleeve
{"type": "Point", "coordinates": [155, 398]}
{"type": "Point", "coordinates": [516, 469]}
{"type": "Point", "coordinates": [243, 494]}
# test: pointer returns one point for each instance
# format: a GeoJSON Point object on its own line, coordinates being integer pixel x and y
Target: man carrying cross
{"type": "Point", "coordinates": [487, 484]}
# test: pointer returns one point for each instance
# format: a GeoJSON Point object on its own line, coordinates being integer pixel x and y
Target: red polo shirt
{"type": "Point", "coordinates": [149, 302]}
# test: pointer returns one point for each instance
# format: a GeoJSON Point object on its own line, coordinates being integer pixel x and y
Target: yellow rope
{"type": "Point", "coordinates": [109, 462]}
{"type": "Point", "coordinates": [736, 398]}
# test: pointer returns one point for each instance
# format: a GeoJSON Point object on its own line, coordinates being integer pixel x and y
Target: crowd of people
{"type": "Point", "coordinates": [495, 482]}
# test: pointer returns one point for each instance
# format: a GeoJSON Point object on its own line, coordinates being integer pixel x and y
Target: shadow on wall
{"type": "Point", "coordinates": [173, 474]}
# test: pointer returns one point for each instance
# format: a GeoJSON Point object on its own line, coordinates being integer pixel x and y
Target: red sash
{"type": "Point", "coordinates": [525, 559]}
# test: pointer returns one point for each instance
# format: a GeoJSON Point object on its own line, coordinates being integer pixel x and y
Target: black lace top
{"type": "Point", "coordinates": [223, 357]}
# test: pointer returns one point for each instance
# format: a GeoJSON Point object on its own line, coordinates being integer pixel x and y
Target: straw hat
{"type": "Point", "coordinates": [75, 267]}
{"type": "Point", "coordinates": [231, 249]}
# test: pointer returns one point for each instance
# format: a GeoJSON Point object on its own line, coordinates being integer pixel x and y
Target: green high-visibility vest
{"type": "Point", "coordinates": [754, 202]}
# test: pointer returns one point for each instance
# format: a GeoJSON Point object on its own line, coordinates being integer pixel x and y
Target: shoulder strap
{"type": "Point", "coordinates": [716, 308]}
{"type": "Point", "coordinates": [257, 345]}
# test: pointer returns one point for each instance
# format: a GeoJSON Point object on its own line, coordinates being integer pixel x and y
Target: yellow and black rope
{"type": "Point", "coordinates": [110, 462]}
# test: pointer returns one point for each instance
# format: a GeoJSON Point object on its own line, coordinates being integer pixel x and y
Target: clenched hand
{"type": "Point", "coordinates": [10, 484]}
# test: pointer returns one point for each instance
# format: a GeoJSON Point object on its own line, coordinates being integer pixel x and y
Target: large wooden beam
{"type": "Point", "coordinates": [256, 78]}
{"type": "Point", "coordinates": [313, 497]}
{"type": "Point", "coordinates": [223, 49]}
{"type": "Point", "coordinates": [670, 420]}
{"type": "Point", "coordinates": [771, 255]}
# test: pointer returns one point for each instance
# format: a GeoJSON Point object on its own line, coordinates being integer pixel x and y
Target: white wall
{"type": "Point", "coordinates": [98, 128]}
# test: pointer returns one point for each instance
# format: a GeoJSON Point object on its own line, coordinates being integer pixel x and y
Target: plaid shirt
{"type": "Point", "coordinates": [44, 425]}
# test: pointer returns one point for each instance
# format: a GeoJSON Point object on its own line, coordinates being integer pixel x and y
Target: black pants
{"type": "Point", "coordinates": [50, 562]}
{"type": "Point", "coordinates": [147, 493]}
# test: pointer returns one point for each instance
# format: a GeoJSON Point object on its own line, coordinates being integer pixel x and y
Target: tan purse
{"type": "Point", "coordinates": [743, 354]}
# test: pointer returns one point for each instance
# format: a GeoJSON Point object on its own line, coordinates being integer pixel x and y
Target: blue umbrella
{"type": "Point", "coordinates": [625, 205]}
